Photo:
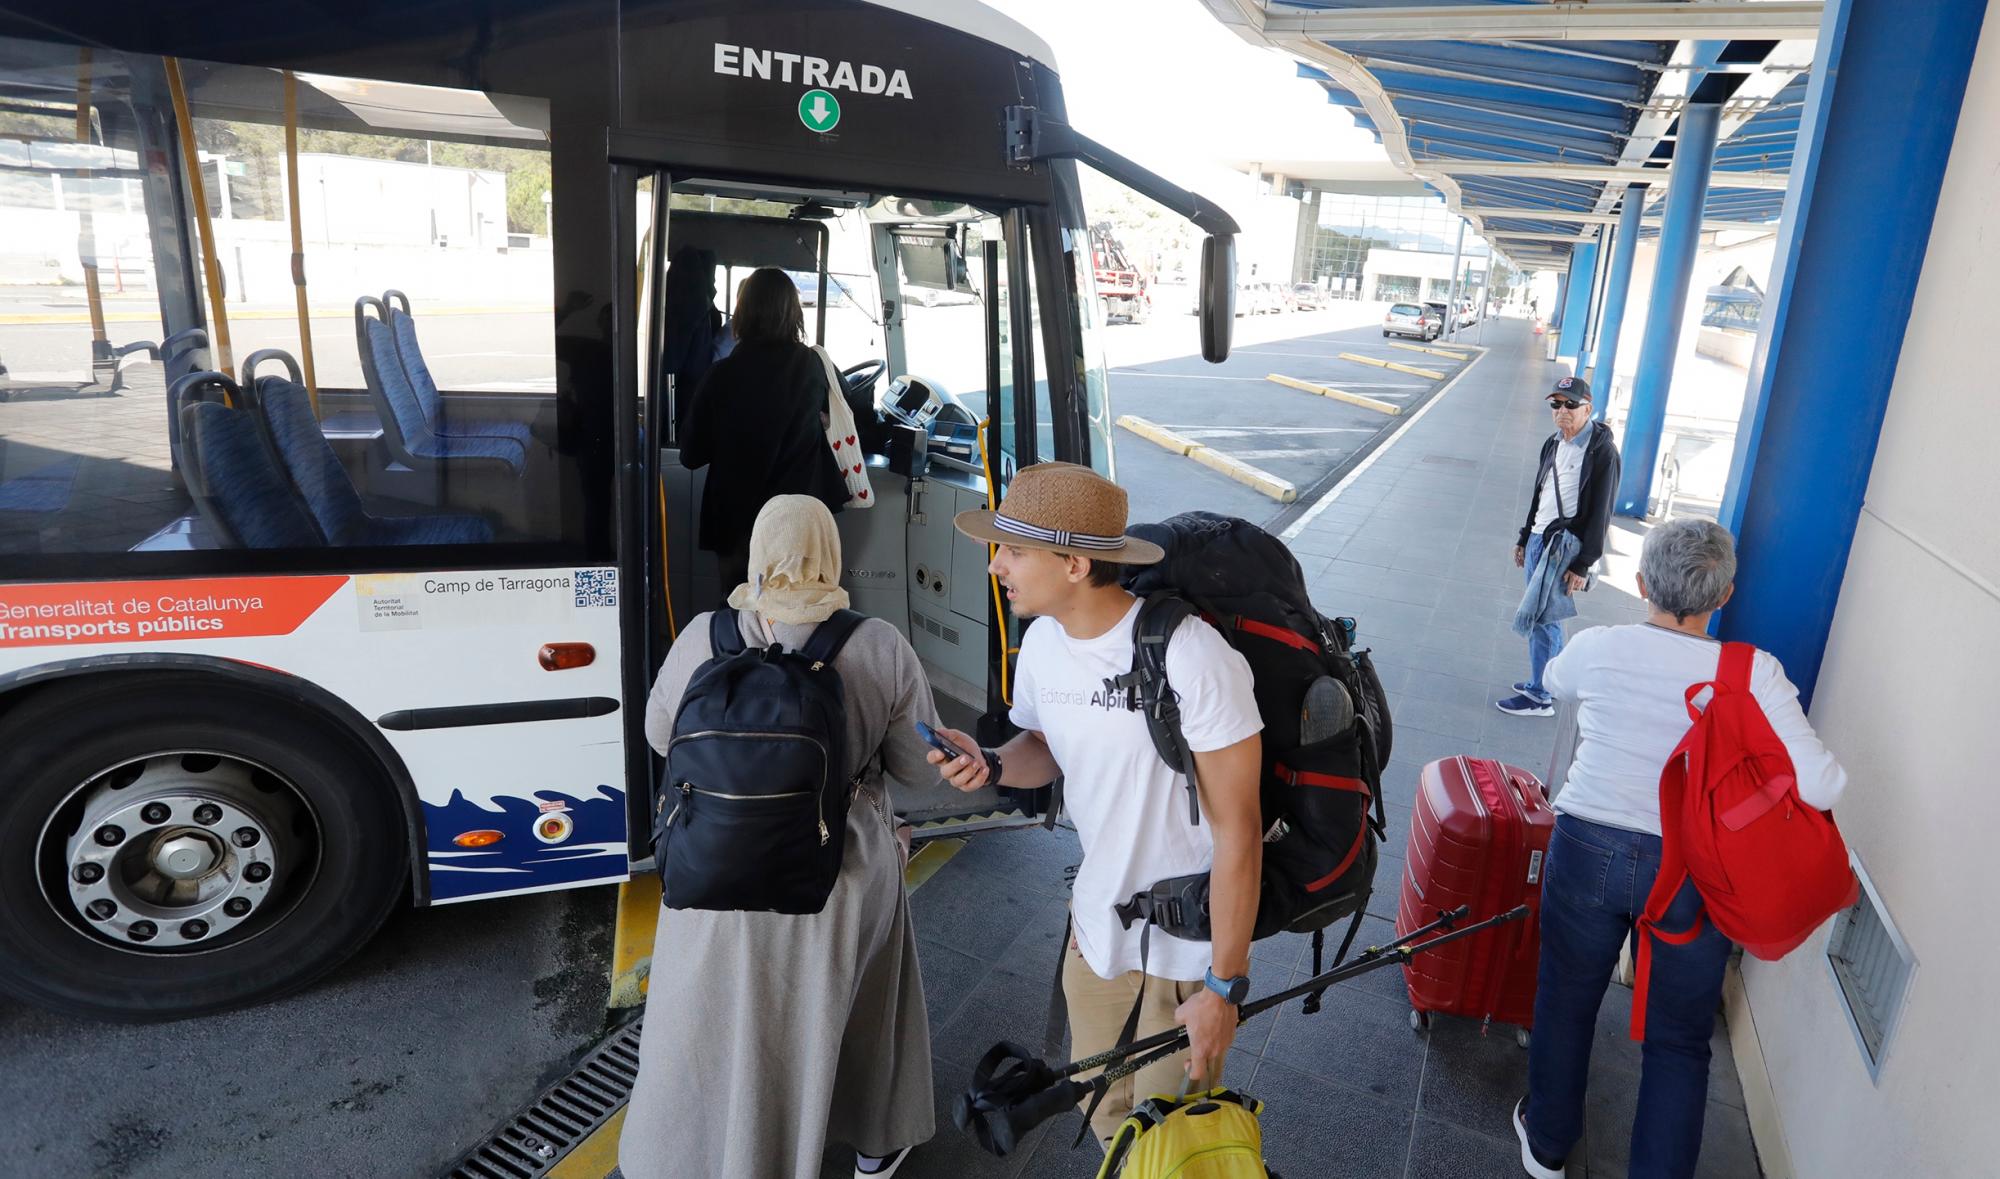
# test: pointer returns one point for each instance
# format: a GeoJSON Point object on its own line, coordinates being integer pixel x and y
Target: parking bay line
{"type": "Point", "coordinates": [1261, 481]}
{"type": "Point", "coordinates": [1393, 366]}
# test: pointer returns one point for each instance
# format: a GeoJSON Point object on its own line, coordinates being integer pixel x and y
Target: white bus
{"type": "Point", "coordinates": [341, 527]}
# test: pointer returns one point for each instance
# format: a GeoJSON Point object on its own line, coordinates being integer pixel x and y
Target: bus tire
{"type": "Point", "coordinates": [174, 845]}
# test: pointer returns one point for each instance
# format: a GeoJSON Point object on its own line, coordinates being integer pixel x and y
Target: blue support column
{"type": "Point", "coordinates": [1624, 247]}
{"type": "Point", "coordinates": [1576, 302]}
{"type": "Point", "coordinates": [1596, 305]}
{"type": "Point", "coordinates": [1850, 250]}
{"type": "Point", "coordinates": [1687, 194]}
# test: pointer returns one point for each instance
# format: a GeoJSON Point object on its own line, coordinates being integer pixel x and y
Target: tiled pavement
{"type": "Point", "coordinates": [1417, 549]}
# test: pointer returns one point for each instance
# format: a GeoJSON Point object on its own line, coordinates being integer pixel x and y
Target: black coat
{"type": "Point", "coordinates": [1590, 515]}
{"type": "Point", "coordinates": [756, 425]}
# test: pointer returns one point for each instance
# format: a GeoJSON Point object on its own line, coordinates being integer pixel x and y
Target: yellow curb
{"type": "Point", "coordinates": [1433, 351]}
{"type": "Point", "coordinates": [1259, 481]}
{"type": "Point", "coordinates": [928, 860]}
{"type": "Point", "coordinates": [632, 939]}
{"type": "Point", "coordinates": [1336, 394]}
{"type": "Point", "coordinates": [596, 1156]}
{"type": "Point", "coordinates": [1158, 435]}
{"type": "Point", "coordinates": [1357, 358]}
{"type": "Point", "coordinates": [60, 317]}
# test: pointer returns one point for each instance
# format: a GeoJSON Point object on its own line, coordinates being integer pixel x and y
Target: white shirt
{"type": "Point", "coordinates": [1629, 683]}
{"type": "Point", "coordinates": [1566, 472]}
{"type": "Point", "coordinates": [1131, 811]}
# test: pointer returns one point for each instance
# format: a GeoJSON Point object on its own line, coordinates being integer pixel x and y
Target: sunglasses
{"type": "Point", "coordinates": [1564, 403]}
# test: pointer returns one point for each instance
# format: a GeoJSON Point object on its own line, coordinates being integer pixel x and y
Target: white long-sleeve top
{"type": "Point", "coordinates": [1629, 684]}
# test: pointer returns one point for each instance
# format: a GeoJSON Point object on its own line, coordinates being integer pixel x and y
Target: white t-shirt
{"type": "Point", "coordinates": [1630, 684]}
{"type": "Point", "coordinates": [1564, 479]}
{"type": "Point", "coordinates": [1131, 811]}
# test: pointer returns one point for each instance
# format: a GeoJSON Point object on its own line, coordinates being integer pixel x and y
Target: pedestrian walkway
{"type": "Point", "coordinates": [1417, 547]}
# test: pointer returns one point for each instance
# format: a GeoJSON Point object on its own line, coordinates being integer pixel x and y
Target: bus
{"type": "Point", "coordinates": [342, 350]}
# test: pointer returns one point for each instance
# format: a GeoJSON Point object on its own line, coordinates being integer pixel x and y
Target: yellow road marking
{"type": "Point", "coordinates": [1215, 460]}
{"type": "Point", "coordinates": [1434, 351]}
{"type": "Point", "coordinates": [928, 860]}
{"type": "Point", "coordinates": [1337, 394]}
{"type": "Point", "coordinates": [1357, 358]}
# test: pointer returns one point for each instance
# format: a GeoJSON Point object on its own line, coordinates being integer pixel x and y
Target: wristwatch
{"type": "Point", "coordinates": [992, 766]}
{"type": "Point", "coordinates": [1233, 990]}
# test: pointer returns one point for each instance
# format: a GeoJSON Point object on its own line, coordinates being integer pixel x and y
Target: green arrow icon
{"type": "Point", "coordinates": [819, 111]}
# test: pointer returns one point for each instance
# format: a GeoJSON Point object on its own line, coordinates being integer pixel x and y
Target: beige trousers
{"type": "Point", "coordinates": [1097, 1011]}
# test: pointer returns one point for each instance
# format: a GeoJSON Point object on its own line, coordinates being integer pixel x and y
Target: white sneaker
{"type": "Point", "coordinates": [1529, 1163]}
{"type": "Point", "coordinates": [869, 1167]}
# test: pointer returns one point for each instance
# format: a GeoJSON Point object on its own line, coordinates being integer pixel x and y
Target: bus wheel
{"type": "Point", "coordinates": [174, 845]}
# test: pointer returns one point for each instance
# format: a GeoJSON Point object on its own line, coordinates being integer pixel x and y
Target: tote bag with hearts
{"type": "Point", "coordinates": [843, 438]}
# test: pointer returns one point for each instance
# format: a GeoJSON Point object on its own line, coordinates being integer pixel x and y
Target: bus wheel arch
{"type": "Point", "coordinates": [286, 819]}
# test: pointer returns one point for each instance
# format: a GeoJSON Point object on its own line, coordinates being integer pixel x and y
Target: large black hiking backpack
{"type": "Point", "coordinates": [1327, 730]}
{"type": "Point", "coordinates": [752, 814]}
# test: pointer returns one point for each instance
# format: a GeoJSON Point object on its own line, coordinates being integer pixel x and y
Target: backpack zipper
{"type": "Point", "coordinates": [825, 836]}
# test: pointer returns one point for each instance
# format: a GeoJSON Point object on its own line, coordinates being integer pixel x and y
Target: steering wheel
{"type": "Point", "coordinates": [861, 379]}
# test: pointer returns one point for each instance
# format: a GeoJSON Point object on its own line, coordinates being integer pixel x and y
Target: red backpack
{"type": "Point", "coordinates": [1769, 867]}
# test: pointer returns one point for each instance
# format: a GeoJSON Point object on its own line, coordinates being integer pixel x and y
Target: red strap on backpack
{"type": "Point", "coordinates": [1732, 674]}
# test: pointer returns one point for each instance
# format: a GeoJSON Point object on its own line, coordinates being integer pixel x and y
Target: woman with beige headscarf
{"type": "Point", "coordinates": [770, 1034]}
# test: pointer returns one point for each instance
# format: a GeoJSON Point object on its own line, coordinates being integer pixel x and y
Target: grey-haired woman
{"type": "Point", "coordinates": [1629, 685]}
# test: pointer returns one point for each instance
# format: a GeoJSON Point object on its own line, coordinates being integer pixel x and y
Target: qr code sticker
{"type": "Point", "coordinates": [596, 587]}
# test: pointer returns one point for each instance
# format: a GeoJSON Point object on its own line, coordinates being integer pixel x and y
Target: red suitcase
{"type": "Point", "coordinates": [1479, 836]}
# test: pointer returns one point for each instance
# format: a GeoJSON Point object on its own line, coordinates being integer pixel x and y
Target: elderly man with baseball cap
{"type": "Point", "coordinates": [1058, 545]}
{"type": "Point", "coordinates": [1574, 484]}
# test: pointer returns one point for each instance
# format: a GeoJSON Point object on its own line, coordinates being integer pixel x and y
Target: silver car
{"type": "Point", "coordinates": [1412, 319]}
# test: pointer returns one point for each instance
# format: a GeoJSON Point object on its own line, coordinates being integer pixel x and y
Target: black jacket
{"type": "Point", "coordinates": [756, 425]}
{"type": "Point", "coordinates": [1590, 515]}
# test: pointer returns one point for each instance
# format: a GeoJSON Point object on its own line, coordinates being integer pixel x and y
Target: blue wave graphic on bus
{"type": "Point", "coordinates": [594, 848]}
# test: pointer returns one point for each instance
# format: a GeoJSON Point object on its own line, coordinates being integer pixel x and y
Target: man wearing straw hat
{"type": "Point", "coordinates": [1059, 542]}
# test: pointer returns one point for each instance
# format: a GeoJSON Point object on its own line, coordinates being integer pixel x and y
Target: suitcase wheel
{"type": "Point", "coordinates": [1420, 1022]}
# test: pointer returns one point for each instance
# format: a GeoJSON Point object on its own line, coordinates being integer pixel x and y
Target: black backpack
{"type": "Point", "coordinates": [752, 814]}
{"type": "Point", "coordinates": [1327, 730]}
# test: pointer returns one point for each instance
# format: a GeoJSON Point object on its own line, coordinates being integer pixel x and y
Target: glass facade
{"type": "Point", "coordinates": [1350, 224]}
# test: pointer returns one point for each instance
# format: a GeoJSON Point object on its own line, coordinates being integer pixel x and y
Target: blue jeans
{"type": "Point", "coordinates": [1546, 640]}
{"type": "Point", "coordinates": [1593, 892]}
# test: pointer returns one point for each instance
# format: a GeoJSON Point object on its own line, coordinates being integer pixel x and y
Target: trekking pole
{"type": "Point", "coordinates": [1013, 1091]}
{"type": "Point", "coordinates": [1140, 1053]}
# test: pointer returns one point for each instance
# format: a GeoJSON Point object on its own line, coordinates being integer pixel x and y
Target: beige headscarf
{"type": "Point", "coordinates": [794, 563]}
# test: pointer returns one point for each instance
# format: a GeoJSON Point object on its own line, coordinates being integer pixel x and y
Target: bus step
{"type": "Point", "coordinates": [566, 1113]}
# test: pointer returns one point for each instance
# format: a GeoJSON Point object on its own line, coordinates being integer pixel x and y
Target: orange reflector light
{"type": "Point", "coordinates": [564, 656]}
{"type": "Point", "coordinates": [479, 838]}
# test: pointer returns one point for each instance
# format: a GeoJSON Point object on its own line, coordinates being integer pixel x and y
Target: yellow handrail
{"type": "Point", "coordinates": [999, 602]}
{"type": "Point", "coordinates": [298, 236]}
{"type": "Point", "coordinates": [87, 221]}
{"type": "Point", "coordinates": [198, 189]}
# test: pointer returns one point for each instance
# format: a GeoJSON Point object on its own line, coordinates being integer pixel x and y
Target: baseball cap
{"type": "Point", "coordinates": [1575, 388]}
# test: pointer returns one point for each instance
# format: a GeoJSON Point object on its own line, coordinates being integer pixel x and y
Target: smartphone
{"type": "Point", "coordinates": [939, 743]}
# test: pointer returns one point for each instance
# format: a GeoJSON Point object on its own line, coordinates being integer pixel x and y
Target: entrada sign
{"type": "Point", "coordinates": [742, 61]}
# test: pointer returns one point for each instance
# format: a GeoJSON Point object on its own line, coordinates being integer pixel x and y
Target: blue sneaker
{"type": "Point", "coordinates": [1523, 687]}
{"type": "Point", "coordinates": [1525, 705]}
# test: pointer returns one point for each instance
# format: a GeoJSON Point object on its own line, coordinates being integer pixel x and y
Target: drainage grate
{"type": "Point", "coordinates": [537, 1138]}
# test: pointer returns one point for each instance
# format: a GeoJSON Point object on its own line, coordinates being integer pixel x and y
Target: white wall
{"type": "Point", "coordinates": [1908, 699]}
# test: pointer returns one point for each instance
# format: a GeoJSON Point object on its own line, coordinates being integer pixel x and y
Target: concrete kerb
{"type": "Point", "coordinates": [1257, 480]}
{"type": "Point", "coordinates": [1337, 394]}
{"type": "Point", "coordinates": [1357, 358]}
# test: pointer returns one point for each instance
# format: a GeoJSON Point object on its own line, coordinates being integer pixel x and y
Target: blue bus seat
{"type": "Point", "coordinates": [283, 410]}
{"type": "Point", "coordinates": [238, 485]}
{"type": "Point", "coordinates": [403, 326]}
{"type": "Point", "coordinates": [405, 429]}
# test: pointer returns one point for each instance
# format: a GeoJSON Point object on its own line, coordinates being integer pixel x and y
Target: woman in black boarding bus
{"type": "Point", "coordinates": [759, 422]}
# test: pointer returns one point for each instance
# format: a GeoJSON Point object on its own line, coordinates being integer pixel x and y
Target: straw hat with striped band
{"type": "Point", "coordinates": [1062, 508]}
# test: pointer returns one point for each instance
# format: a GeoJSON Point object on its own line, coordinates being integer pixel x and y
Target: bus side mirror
{"type": "Point", "coordinates": [1216, 299]}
